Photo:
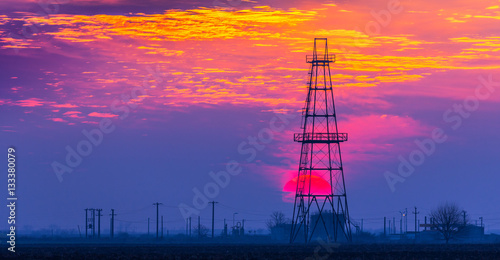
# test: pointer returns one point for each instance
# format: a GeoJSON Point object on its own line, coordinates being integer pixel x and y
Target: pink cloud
{"type": "Point", "coordinates": [57, 119]}
{"type": "Point", "coordinates": [372, 138]}
{"type": "Point", "coordinates": [378, 137]}
{"type": "Point", "coordinates": [32, 102]}
{"type": "Point", "coordinates": [90, 122]}
{"type": "Point", "coordinates": [73, 114]}
{"type": "Point", "coordinates": [64, 105]}
{"type": "Point", "coordinates": [96, 114]}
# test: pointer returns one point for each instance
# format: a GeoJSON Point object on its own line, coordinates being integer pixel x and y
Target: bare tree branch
{"type": "Point", "coordinates": [447, 220]}
{"type": "Point", "coordinates": [277, 218]}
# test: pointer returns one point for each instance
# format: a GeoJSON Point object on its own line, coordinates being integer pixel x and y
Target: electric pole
{"type": "Point", "coordinates": [161, 226]}
{"type": "Point", "coordinates": [385, 228]}
{"type": "Point", "coordinates": [93, 223]}
{"type": "Point", "coordinates": [86, 222]}
{"type": "Point", "coordinates": [401, 223]}
{"type": "Point", "coordinates": [465, 221]}
{"type": "Point", "coordinates": [225, 228]}
{"type": "Point", "coordinates": [99, 222]}
{"type": "Point", "coordinates": [112, 223]}
{"type": "Point", "coordinates": [406, 220]}
{"type": "Point", "coordinates": [148, 226]}
{"type": "Point", "coordinates": [415, 212]}
{"type": "Point", "coordinates": [199, 231]}
{"type": "Point", "coordinates": [213, 208]}
{"type": "Point", "coordinates": [157, 219]}
{"type": "Point", "coordinates": [394, 225]}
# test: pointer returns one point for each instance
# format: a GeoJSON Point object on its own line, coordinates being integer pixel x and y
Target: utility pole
{"type": "Point", "coordinates": [93, 223]}
{"type": "Point", "coordinates": [425, 222]}
{"type": "Point", "coordinates": [157, 219]}
{"type": "Point", "coordinates": [213, 208]}
{"type": "Point", "coordinates": [385, 228]}
{"type": "Point", "coordinates": [199, 226]}
{"type": "Point", "coordinates": [112, 229]}
{"type": "Point", "coordinates": [190, 220]}
{"type": "Point", "coordinates": [243, 227]}
{"type": "Point", "coordinates": [465, 221]}
{"type": "Point", "coordinates": [394, 225]}
{"type": "Point", "coordinates": [161, 226]}
{"type": "Point", "coordinates": [225, 228]}
{"type": "Point", "coordinates": [99, 222]}
{"type": "Point", "coordinates": [415, 212]}
{"type": "Point", "coordinates": [406, 220]}
{"type": "Point", "coordinates": [148, 226]}
{"type": "Point", "coordinates": [86, 222]}
{"type": "Point", "coordinates": [401, 223]}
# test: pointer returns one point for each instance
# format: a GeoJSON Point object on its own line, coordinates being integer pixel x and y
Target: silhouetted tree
{"type": "Point", "coordinates": [277, 218]}
{"type": "Point", "coordinates": [447, 220]}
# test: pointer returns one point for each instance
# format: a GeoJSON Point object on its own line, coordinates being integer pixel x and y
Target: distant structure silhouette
{"type": "Point", "coordinates": [90, 222]}
{"type": "Point", "coordinates": [320, 158]}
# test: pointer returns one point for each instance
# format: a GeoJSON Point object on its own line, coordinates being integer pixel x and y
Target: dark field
{"type": "Point", "coordinates": [249, 251]}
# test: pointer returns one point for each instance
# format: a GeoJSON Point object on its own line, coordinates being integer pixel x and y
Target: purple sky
{"type": "Point", "coordinates": [206, 77]}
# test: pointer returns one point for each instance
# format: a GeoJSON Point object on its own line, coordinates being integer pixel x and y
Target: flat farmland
{"type": "Point", "coordinates": [253, 251]}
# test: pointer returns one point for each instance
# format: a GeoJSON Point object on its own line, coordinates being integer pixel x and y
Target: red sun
{"type": "Point", "coordinates": [318, 184]}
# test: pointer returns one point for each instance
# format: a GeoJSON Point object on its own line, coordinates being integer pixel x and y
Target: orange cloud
{"type": "Point", "coordinates": [255, 57]}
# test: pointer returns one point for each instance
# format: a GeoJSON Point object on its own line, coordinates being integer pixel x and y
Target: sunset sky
{"type": "Point", "coordinates": [184, 83]}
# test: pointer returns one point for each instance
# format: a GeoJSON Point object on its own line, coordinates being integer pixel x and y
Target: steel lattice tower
{"type": "Point", "coordinates": [320, 157]}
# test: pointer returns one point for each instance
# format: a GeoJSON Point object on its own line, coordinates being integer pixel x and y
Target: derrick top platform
{"type": "Point", "coordinates": [327, 58]}
{"type": "Point", "coordinates": [320, 54]}
{"type": "Point", "coordinates": [320, 137]}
